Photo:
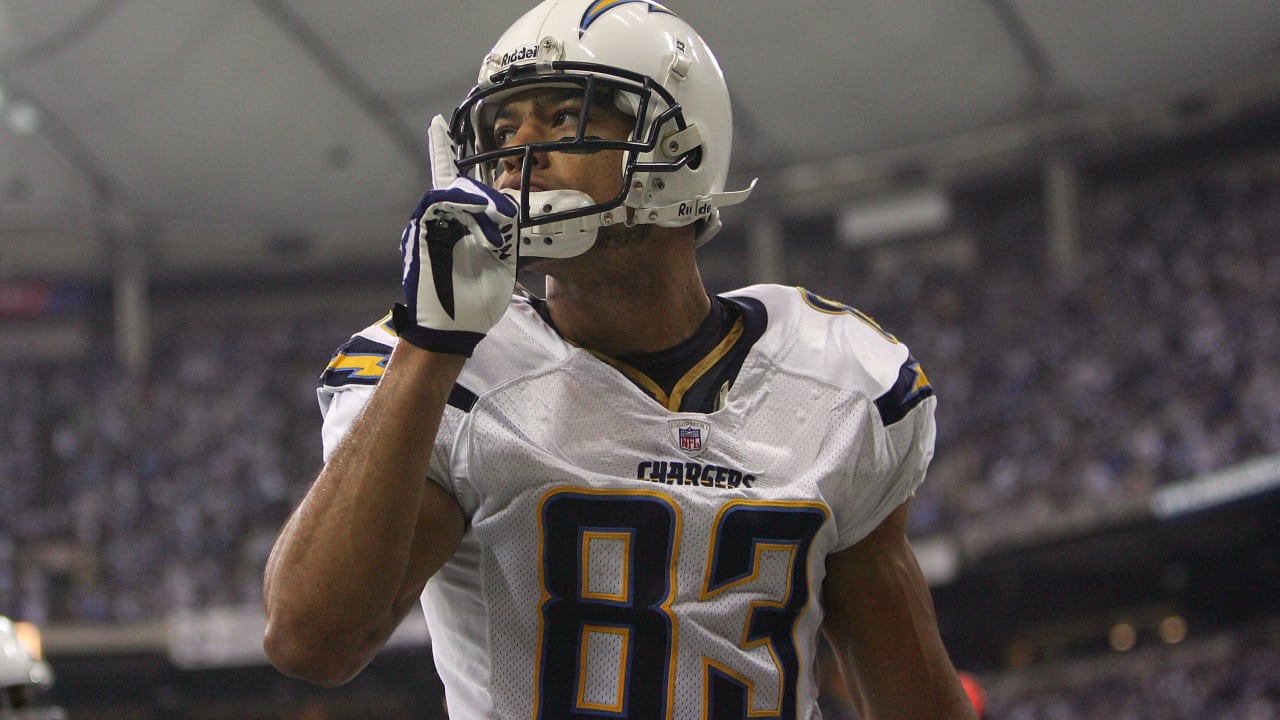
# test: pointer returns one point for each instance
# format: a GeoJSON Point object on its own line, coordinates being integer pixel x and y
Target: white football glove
{"type": "Point", "coordinates": [459, 252]}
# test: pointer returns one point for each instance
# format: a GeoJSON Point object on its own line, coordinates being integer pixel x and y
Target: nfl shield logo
{"type": "Point", "coordinates": [691, 439]}
{"type": "Point", "coordinates": [690, 435]}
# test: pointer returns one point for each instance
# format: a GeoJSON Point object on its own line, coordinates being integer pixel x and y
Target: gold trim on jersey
{"type": "Point", "coordinates": [791, 549]}
{"type": "Point", "coordinates": [584, 663]}
{"type": "Point", "coordinates": [708, 663]}
{"type": "Point", "coordinates": [672, 402]}
{"type": "Point", "coordinates": [835, 307]}
{"type": "Point", "coordinates": [706, 592]}
{"type": "Point", "coordinates": [665, 607]}
{"type": "Point", "coordinates": [386, 324]}
{"type": "Point", "coordinates": [624, 589]}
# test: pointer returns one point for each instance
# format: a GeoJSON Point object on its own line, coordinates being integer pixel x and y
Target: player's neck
{"type": "Point", "coordinates": [630, 300]}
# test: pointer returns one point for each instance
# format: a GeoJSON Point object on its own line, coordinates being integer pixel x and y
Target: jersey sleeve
{"type": "Point", "coordinates": [347, 384]}
{"type": "Point", "coordinates": [890, 464]}
{"type": "Point", "coordinates": [888, 434]}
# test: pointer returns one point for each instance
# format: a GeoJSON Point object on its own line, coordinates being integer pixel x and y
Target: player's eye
{"type": "Point", "coordinates": [567, 119]}
{"type": "Point", "coordinates": [502, 135]}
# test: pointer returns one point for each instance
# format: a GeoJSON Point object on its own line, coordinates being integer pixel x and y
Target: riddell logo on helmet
{"type": "Point", "coordinates": [699, 208]}
{"type": "Point", "coordinates": [525, 53]}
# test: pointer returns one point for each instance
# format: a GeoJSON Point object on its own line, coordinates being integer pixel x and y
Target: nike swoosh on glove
{"type": "Point", "coordinates": [459, 252]}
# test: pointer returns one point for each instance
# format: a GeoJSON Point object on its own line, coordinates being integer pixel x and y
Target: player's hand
{"type": "Point", "coordinates": [459, 252]}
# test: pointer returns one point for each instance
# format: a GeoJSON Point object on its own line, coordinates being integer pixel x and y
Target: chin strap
{"type": "Point", "coordinates": [568, 238]}
{"type": "Point", "coordinates": [688, 211]}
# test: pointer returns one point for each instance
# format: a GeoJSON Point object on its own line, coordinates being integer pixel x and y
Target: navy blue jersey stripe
{"type": "Point", "coordinates": [909, 391]}
{"type": "Point", "coordinates": [462, 398]}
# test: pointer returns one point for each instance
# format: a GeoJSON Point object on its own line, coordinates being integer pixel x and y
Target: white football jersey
{"type": "Point", "coordinates": [628, 558]}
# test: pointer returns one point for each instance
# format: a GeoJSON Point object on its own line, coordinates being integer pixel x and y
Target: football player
{"type": "Point", "coordinates": [23, 678]}
{"type": "Point", "coordinates": [630, 499]}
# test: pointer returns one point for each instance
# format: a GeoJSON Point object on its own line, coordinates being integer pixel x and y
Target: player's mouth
{"type": "Point", "coordinates": [514, 184]}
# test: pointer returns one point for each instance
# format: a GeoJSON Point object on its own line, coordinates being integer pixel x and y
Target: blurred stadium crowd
{"type": "Point", "coordinates": [1227, 677]}
{"type": "Point", "coordinates": [140, 495]}
{"type": "Point", "coordinates": [1224, 677]}
{"type": "Point", "coordinates": [1151, 360]}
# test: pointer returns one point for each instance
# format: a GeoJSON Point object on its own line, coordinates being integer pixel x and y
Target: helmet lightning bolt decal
{"type": "Point", "coordinates": [600, 7]}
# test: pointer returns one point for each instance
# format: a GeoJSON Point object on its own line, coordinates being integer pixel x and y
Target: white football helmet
{"type": "Point", "coordinates": [21, 677]}
{"type": "Point", "coordinates": [651, 65]}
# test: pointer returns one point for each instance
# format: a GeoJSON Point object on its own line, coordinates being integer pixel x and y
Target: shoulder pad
{"type": "Point", "coordinates": [831, 341]}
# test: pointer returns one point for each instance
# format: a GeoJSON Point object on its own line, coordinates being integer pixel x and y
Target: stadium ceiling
{"type": "Point", "coordinates": [237, 133]}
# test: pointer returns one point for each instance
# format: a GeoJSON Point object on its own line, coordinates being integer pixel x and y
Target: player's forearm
{"type": "Point", "coordinates": [342, 573]}
{"type": "Point", "coordinates": [909, 678]}
{"type": "Point", "coordinates": [883, 629]}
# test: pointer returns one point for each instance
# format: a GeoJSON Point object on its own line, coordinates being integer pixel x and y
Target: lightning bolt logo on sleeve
{"type": "Point", "coordinates": [359, 362]}
{"type": "Point", "coordinates": [909, 391]}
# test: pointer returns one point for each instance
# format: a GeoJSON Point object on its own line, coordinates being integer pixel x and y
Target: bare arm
{"type": "Point", "coordinates": [356, 554]}
{"type": "Point", "coordinates": [881, 625]}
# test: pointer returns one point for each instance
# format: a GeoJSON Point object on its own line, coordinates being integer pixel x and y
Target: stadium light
{"type": "Point", "coordinates": [901, 214]}
{"type": "Point", "coordinates": [1123, 637]}
{"type": "Point", "coordinates": [1173, 629]}
{"type": "Point", "coordinates": [23, 118]}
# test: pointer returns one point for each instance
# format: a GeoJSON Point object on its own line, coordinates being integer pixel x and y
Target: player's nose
{"type": "Point", "coordinates": [528, 133]}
